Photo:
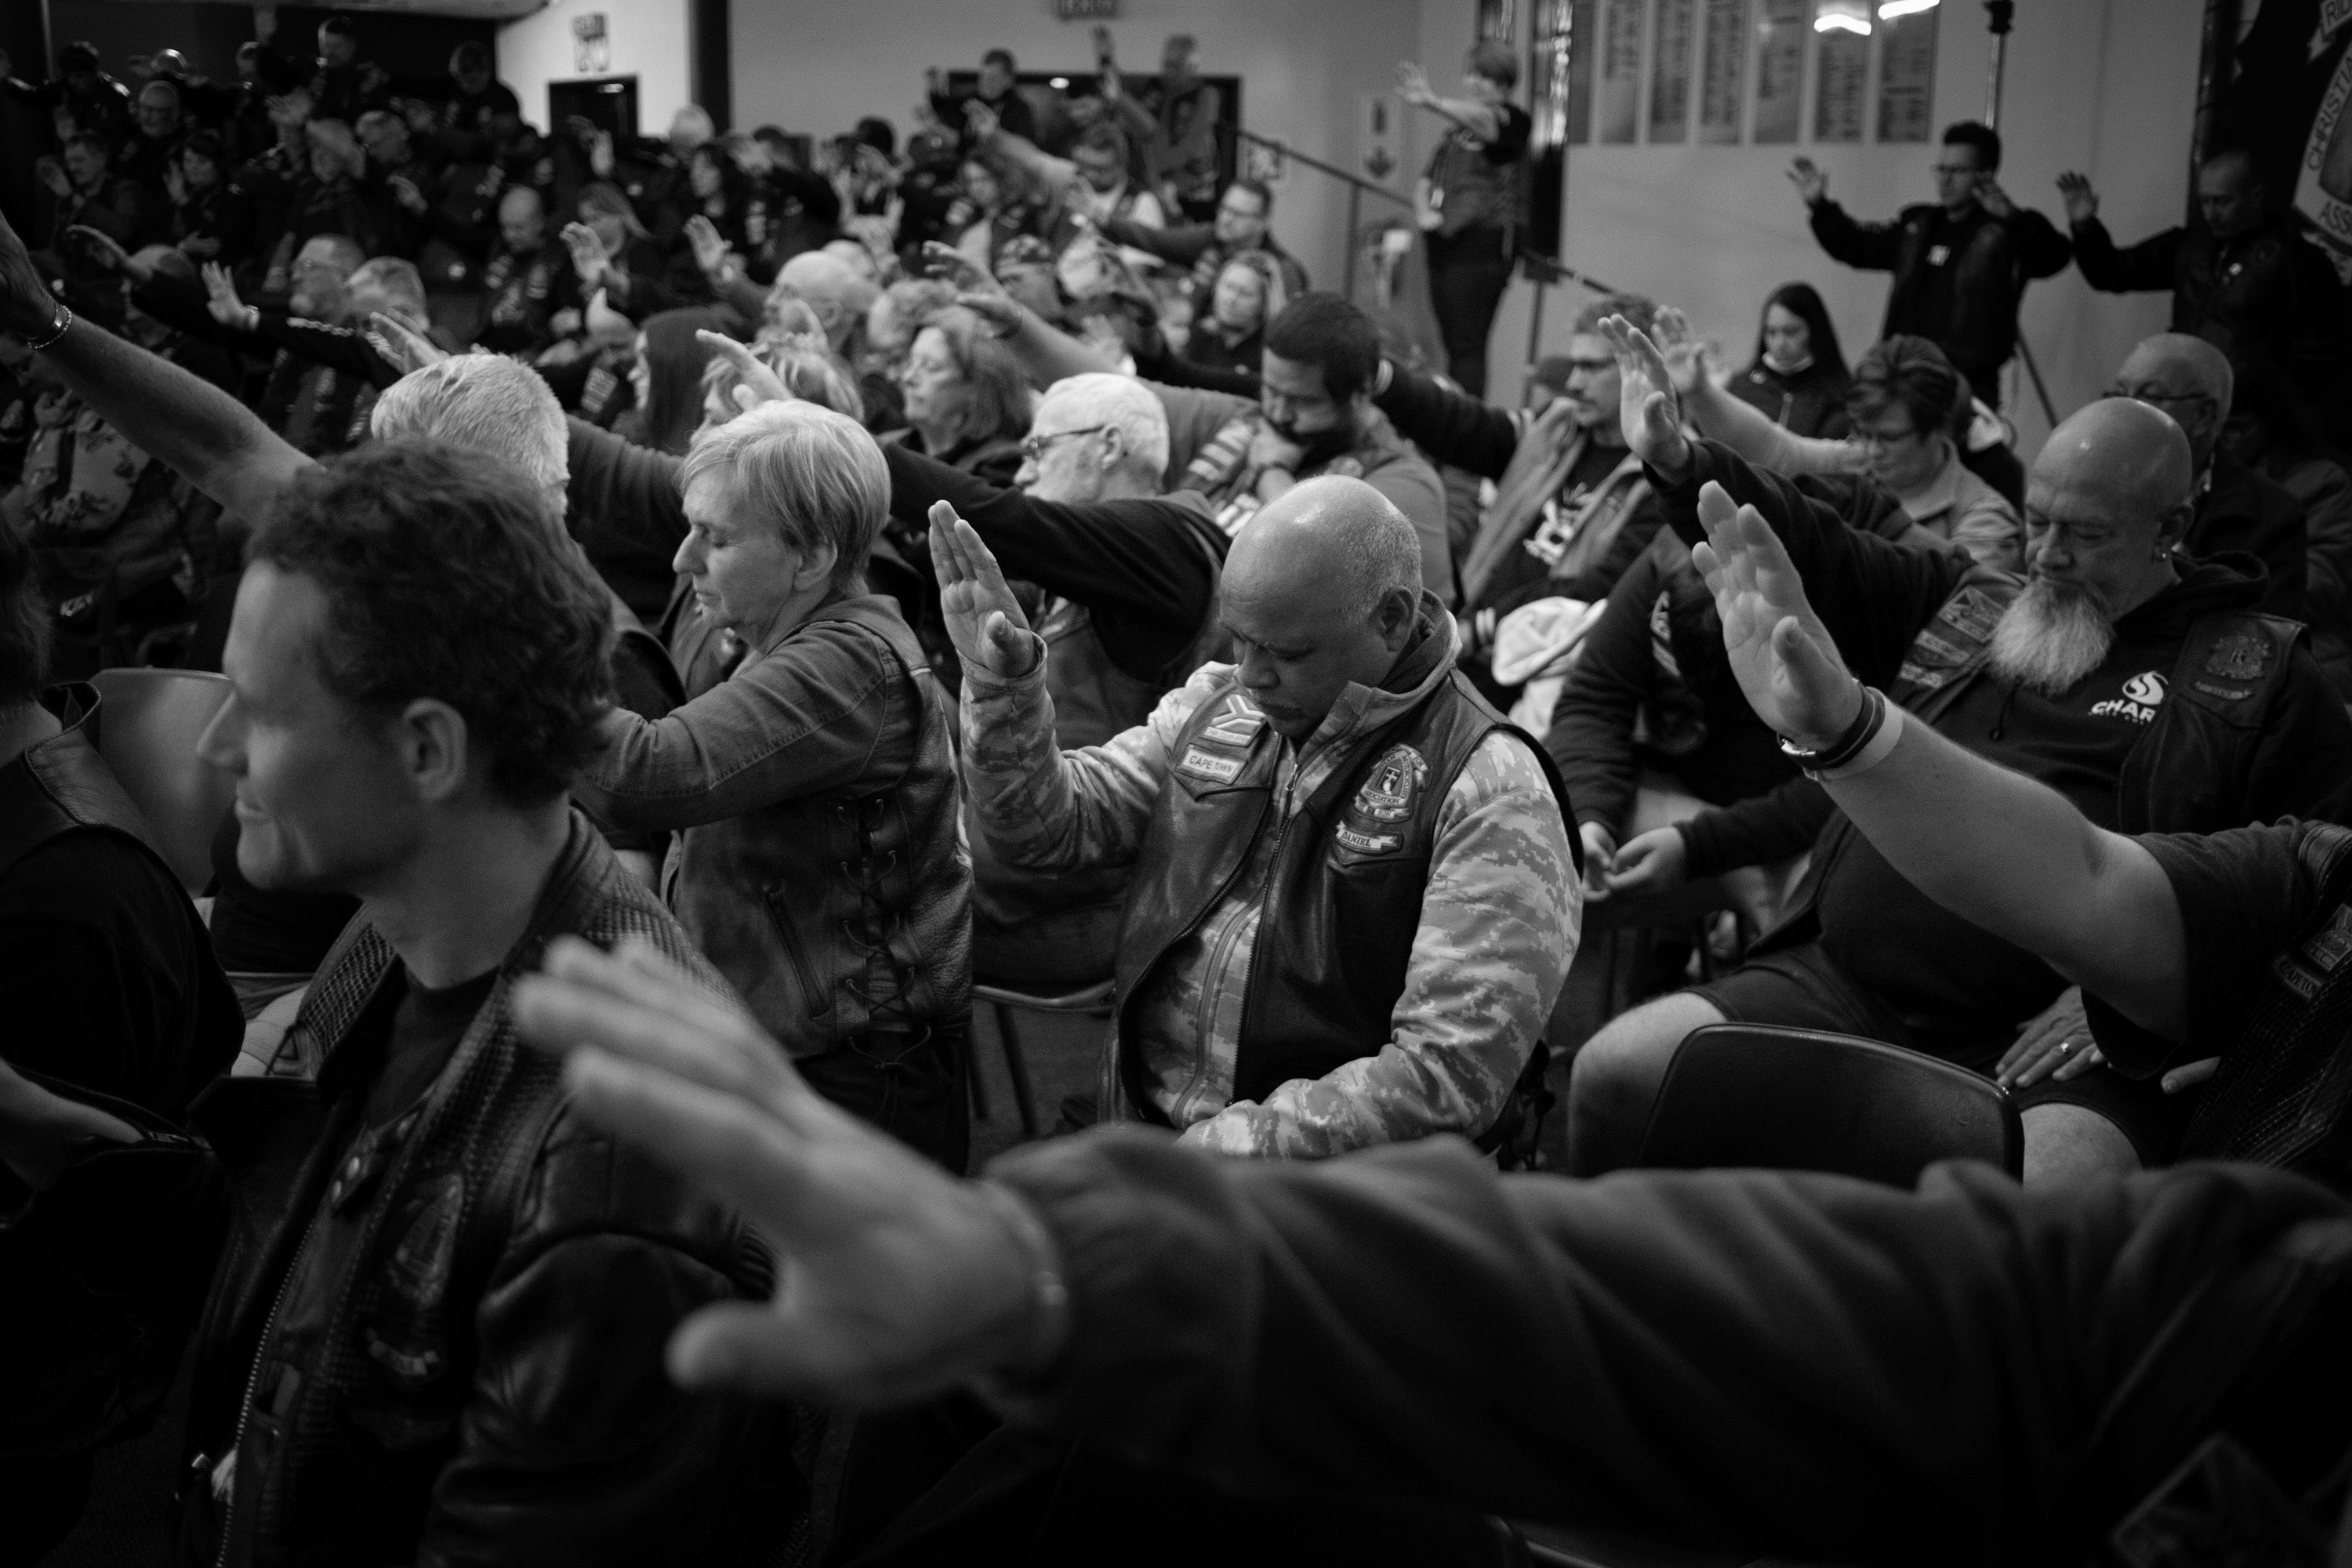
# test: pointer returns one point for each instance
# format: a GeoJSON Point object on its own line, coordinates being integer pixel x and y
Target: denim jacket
{"type": "Point", "coordinates": [814, 791]}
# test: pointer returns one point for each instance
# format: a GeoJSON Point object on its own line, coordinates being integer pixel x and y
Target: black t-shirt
{"type": "Point", "coordinates": [2266, 915]}
{"type": "Point", "coordinates": [105, 980]}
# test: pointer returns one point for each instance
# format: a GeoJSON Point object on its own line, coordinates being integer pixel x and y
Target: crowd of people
{"type": "Point", "coordinates": [687, 618]}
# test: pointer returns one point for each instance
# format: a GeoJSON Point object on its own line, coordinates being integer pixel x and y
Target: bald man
{"type": "Point", "coordinates": [2239, 511]}
{"type": "Point", "coordinates": [2248, 279]}
{"type": "Point", "coordinates": [2137, 683]}
{"type": "Point", "coordinates": [527, 276]}
{"type": "Point", "coordinates": [1352, 897]}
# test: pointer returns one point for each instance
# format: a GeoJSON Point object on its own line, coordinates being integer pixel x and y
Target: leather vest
{"type": "Point", "coordinates": [1342, 897]}
{"type": "Point", "coordinates": [62, 786]}
{"type": "Point", "coordinates": [2184, 772]}
{"type": "Point", "coordinates": [1094, 698]}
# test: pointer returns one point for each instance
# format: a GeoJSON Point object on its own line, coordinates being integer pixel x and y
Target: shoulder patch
{"type": "Point", "coordinates": [2240, 655]}
{"type": "Point", "coordinates": [1216, 767]}
{"type": "Point", "coordinates": [1237, 722]}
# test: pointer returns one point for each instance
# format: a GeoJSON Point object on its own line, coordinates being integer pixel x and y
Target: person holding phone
{"type": "Point", "coordinates": [1960, 262]}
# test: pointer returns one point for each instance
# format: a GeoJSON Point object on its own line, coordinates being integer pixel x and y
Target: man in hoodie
{"type": "Point", "coordinates": [1352, 897]}
{"type": "Point", "coordinates": [2137, 681]}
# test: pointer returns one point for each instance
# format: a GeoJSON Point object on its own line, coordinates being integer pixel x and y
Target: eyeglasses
{"type": "Point", "coordinates": [1591, 366]}
{"type": "Point", "coordinates": [1032, 447]}
{"type": "Point", "coordinates": [1865, 436]}
{"type": "Point", "coordinates": [1956, 171]}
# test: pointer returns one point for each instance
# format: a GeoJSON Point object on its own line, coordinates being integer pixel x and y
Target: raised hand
{"type": "Point", "coordinates": [102, 250]}
{"type": "Point", "coordinates": [1647, 408]}
{"type": "Point", "coordinates": [201, 247]}
{"type": "Point", "coordinates": [27, 307]}
{"type": "Point", "coordinates": [588, 259]}
{"type": "Point", "coordinates": [761, 384]}
{"type": "Point", "coordinates": [1412, 85]}
{"type": "Point", "coordinates": [710, 245]}
{"type": "Point", "coordinates": [1993, 199]}
{"type": "Point", "coordinates": [982, 119]}
{"type": "Point", "coordinates": [1684, 353]}
{"type": "Point", "coordinates": [1812, 183]}
{"type": "Point", "coordinates": [221, 296]}
{"type": "Point", "coordinates": [599, 143]}
{"type": "Point", "coordinates": [54, 178]}
{"type": "Point", "coordinates": [2082, 201]}
{"type": "Point", "coordinates": [983, 619]}
{"type": "Point", "coordinates": [402, 345]}
{"type": "Point", "coordinates": [895, 1281]}
{"type": "Point", "coordinates": [1786, 662]}
{"type": "Point", "coordinates": [404, 191]}
{"type": "Point", "coordinates": [977, 290]}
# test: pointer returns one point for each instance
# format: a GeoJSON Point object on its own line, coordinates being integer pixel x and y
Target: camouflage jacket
{"type": "Point", "coordinates": [1498, 926]}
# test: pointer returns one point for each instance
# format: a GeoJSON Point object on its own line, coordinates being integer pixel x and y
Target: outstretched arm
{"type": "Point", "coordinates": [1993, 847]}
{"type": "Point", "coordinates": [218, 443]}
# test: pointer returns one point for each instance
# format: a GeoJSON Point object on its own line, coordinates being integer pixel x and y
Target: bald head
{"type": "Point", "coordinates": [2189, 379]}
{"type": "Point", "coordinates": [1321, 591]}
{"type": "Point", "coordinates": [2107, 499]}
{"type": "Point", "coordinates": [1336, 537]}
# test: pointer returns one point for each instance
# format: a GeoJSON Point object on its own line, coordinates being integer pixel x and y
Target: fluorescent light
{"type": "Point", "coordinates": [1065, 81]}
{"type": "Point", "coordinates": [1894, 9]}
{"type": "Point", "coordinates": [1835, 22]}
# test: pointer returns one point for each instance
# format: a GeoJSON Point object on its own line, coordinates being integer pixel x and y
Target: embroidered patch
{"type": "Point", "coordinates": [1396, 780]}
{"type": "Point", "coordinates": [2142, 693]}
{"type": "Point", "coordinates": [1366, 843]}
{"type": "Point", "coordinates": [419, 1264]}
{"type": "Point", "coordinates": [1210, 765]}
{"type": "Point", "coordinates": [1236, 726]}
{"type": "Point", "coordinates": [2333, 943]}
{"type": "Point", "coordinates": [2240, 656]}
{"type": "Point", "coordinates": [2227, 693]}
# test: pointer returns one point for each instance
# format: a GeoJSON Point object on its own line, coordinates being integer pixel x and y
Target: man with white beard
{"type": "Point", "coordinates": [2137, 681]}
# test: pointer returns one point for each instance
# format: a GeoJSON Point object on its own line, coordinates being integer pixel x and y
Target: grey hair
{"type": "Point", "coordinates": [815, 474]}
{"type": "Point", "coordinates": [831, 288]}
{"type": "Point", "coordinates": [483, 403]}
{"type": "Point", "coordinates": [1124, 404]}
{"type": "Point", "coordinates": [1377, 557]}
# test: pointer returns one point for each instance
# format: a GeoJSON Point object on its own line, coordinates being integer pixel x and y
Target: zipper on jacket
{"type": "Point", "coordinates": [252, 1386]}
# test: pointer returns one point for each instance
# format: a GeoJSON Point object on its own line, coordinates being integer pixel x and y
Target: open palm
{"type": "Point", "coordinates": [983, 619]}
{"type": "Point", "coordinates": [894, 1279]}
{"type": "Point", "coordinates": [1786, 662]}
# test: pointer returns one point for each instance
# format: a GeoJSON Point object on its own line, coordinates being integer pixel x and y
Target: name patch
{"type": "Point", "coordinates": [1210, 765]}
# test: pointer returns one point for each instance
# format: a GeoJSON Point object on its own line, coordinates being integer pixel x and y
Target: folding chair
{"type": "Point", "coordinates": [149, 722]}
{"type": "Point", "coordinates": [1093, 1001]}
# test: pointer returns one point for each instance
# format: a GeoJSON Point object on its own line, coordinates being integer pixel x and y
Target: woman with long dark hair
{"type": "Point", "coordinates": [1799, 376]}
{"type": "Point", "coordinates": [668, 380]}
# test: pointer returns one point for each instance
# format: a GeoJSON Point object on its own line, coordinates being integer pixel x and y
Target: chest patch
{"type": "Point", "coordinates": [2141, 695]}
{"type": "Point", "coordinates": [1395, 784]}
{"type": "Point", "coordinates": [2318, 956]}
{"type": "Point", "coordinates": [2240, 656]}
{"type": "Point", "coordinates": [1215, 766]}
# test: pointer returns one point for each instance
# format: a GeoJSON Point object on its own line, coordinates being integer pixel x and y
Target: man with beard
{"type": "Point", "coordinates": [2238, 509]}
{"type": "Point", "coordinates": [1322, 355]}
{"type": "Point", "coordinates": [1571, 508]}
{"type": "Point", "coordinates": [2136, 683]}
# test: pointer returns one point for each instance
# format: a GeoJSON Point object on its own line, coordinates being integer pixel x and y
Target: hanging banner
{"type": "Point", "coordinates": [2324, 192]}
{"type": "Point", "coordinates": [1723, 72]}
{"type": "Point", "coordinates": [1621, 72]}
{"type": "Point", "coordinates": [1670, 72]}
{"type": "Point", "coordinates": [2287, 100]}
{"type": "Point", "coordinates": [1780, 29]}
{"type": "Point", "coordinates": [1841, 75]}
{"type": "Point", "coordinates": [1583, 42]}
{"type": "Point", "coordinates": [1906, 76]}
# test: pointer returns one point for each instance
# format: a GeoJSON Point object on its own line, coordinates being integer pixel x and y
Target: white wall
{"type": "Point", "coordinates": [650, 38]}
{"type": "Point", "coordinates": [2103, 86]}
{"type": "Point", "coordinates": [817, 67]}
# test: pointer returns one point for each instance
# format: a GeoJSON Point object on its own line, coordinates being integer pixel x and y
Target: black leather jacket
{"type": "Point", "coordinates": [484, 1383]}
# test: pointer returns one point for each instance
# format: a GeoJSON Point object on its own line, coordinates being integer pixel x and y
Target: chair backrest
{"type": "Point", "coordinates": [149, 722]}
{"type": "Point", "coordinates": [1798, 1099]}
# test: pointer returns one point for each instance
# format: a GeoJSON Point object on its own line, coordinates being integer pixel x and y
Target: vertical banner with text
{"type": "Point", "coordinates": [1780, 29]}
{"type": "Point", "coordinates": [1670, 72]}
{"type": "Point", "coordinates": [1722, 78]}
{"type": "Point", "coordinates": [1906, 76]}
{"type": "Point", "coordinates": [1841, 78]}
{"type": "Point", "coordinates": [1621, 71]}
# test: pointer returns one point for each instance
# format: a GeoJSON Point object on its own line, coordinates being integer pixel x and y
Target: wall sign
{"type": "Point", "coordinates": [1620, 71]}
{"type": "Point", "coordinates": [592, 46]}
{"type": "Point", "coordinates": [1906, 76]}
{"type": "Point", "coordinates": [1841, 76]}
{"type": "Point", "coordinates": [1780, 29]}
{"type": "Point", "coordinates": [1670, 72]}
{"type": "Point", "coordinates": [1723, 76]}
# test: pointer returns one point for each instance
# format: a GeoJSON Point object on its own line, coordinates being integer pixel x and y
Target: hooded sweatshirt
{"type": "Point", "coordinates": [1498, 927]}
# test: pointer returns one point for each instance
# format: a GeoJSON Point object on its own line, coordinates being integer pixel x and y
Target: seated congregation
{"type": "Point", "coordinates": [497, 1081]}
